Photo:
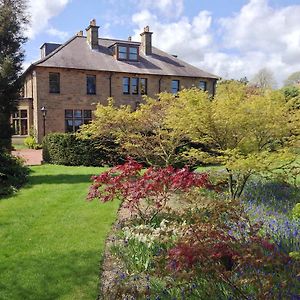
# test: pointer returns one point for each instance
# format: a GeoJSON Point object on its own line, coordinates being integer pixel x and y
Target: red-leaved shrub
{"type": "Point", "coordinates": [147, 192]}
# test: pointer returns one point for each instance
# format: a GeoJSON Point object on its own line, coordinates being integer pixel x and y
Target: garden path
{"type": "Point", "coordinates": [32, 157]}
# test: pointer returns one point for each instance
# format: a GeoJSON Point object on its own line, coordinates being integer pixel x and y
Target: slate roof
{"type": "Point", "coordinates": [77, 54]}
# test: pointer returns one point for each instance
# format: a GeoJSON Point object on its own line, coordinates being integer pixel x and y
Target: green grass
{"type": "Point", "coordinates": [52, 239]}
{"type": "Point", "coordinates": [19, 146]}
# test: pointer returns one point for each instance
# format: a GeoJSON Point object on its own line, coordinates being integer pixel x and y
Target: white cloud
{"type": "Point", "coordinates": [255, 37]}
{"type": "Point", "coordinates": [273, 34]}
{"type": "Point", "coordinates": [62, 35]}
{"type": "Point", "coordinates": [41, 12]}
{"type": "Point", "coordinates": [188, 39]}
{"type": "Point", "coordinates": [168, 8]}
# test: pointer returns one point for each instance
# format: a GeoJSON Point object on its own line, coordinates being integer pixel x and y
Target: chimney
{"type": "Point", "coordinates": [79, 33]}
{"type": "Point", "coordinates": [129, 39]}
{"type": "Point", "coordinates": [146, 41]}
{"type": "Point", "coordinates": [92, 34]}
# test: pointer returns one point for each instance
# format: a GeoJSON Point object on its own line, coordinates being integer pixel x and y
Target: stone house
{"type": "Point", "coordinates": [63, 88]}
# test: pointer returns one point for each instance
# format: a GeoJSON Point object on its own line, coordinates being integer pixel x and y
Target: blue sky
{"type": "Point", "coordinates": [231, 38]}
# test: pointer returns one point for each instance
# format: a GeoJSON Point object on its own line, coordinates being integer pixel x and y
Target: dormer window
{"type": "Point", "coordinates": [133, 53]}
{"type": "Point", "coordinates": [126, 52]}
{"type": "Point", "coordinates": [122, 54]}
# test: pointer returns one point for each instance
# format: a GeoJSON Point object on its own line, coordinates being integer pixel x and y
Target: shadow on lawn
{"type": "Point", "coordinates": [59, 179]}
{"type": "Point", "coordinates": [74, 275]}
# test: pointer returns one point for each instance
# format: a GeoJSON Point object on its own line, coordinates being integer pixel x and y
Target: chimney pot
{"type": "Point", "coordinates": [80, 33]}
{"type": "Point", "coordinates": [92, 34]}
{"type": "Point", "coordinates": [146, 41]}
{"type": "Point", "coordinates": [129, 38]}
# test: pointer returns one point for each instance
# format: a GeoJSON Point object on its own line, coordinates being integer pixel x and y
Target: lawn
{"type": "Point", "coordinates": [52, 240]}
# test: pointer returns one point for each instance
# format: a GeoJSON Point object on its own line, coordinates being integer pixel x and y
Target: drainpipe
{"type": "Point", "coordinates": [214, 88]}
{"type": "Point", "coordinates": [159, 84]}
{"type": "Point", "coordinates": [110, 87]}
{"type": "Point", "coordinates": [31, 85]}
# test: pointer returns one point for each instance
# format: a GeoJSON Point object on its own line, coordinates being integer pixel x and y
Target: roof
{"type": "Point", "coordinates": [77, 54]}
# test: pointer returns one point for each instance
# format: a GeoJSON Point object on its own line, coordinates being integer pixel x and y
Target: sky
{"type": "Point", "coordinates": [229, 38]}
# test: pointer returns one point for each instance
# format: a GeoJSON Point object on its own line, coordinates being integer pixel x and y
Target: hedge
{"type": "Point", "coordinates": [69, 150]}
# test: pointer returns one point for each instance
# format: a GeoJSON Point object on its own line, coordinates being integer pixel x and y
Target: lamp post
{"type": "Point", "coordinates": [44, 112]}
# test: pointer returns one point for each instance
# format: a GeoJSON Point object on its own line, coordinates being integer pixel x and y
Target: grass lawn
{"type": "Point", "coordinates": [52, 239]}
{"type": "Point", "coordinates": [19, 146]}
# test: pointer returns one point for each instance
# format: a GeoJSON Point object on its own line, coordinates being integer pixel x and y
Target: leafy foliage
{"type": "Point", "coordinates": [145, 193]}
{"type": "Point", "coordinates": [206, 251]}
{"type": "Point", "coordinates": [296, 211]}
{"type": "Point", "coordinates": [12, 20]}
{"type": "Point", "coordinates": [247, 130]}
{"type": "Point", "coordinates": [143, 134]}
{"type": "Point", "coordinates": [68, 149]}
{"type": "Point", "coordinates": [12, 173]}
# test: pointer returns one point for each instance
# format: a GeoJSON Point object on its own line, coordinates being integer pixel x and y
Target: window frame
{"type": "Point", "coordinates": [145, 92]}
{"type": "Point", "coordinates": [178, 86]}
{"type": "Point", "coordinates": [51, 89]}
{"type": "Point", "coordinates": [73, 119]}
{"type": "Point", "coordinates": [18, 119]}
{"type": "Point", "coordinates": [205, 85]}
{"type": "Point", "coordinates": [128, 85]}
{"type": "Point", "coordinates": [134, 87]}
{"type": "Point", "coordinates": [94, 92]}
{"type": "Point", "coordinates": [127, 52]}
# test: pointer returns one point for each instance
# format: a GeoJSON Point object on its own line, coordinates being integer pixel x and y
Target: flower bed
{"type": "Point", "coordinates": [176, 244]}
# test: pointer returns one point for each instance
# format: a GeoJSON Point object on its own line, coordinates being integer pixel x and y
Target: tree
{"type": "Point", "coordinates": [293, 79]}
{"type": "Point", "coordinates": [264, 79]}
{"type": "Point", "coordinates": [143, 134]}
{"type": "Point", "coordinates": [12, 21]}
{"type": "Point", "coordinates": [247, 132]}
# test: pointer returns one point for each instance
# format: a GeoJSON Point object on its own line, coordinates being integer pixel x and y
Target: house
{"type": "Point", "coordinates": [63, 88]}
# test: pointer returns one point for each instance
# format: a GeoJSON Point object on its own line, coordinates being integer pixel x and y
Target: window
{"type": "Point", "coordinates": [20, 122]}
{"type": "Point", "coordinates": [91, 85]}
{"type": "Point", "coordinates": [122, 54]}
{"type": "Point", "coordinates": [54, 83]}
{"type": "Point", "coordinates": [133, 53]}
{"type": "Point", "coordinates": [143, 86]}
{"type": "Point", "coordinates": [128, 53]}
{"type": "Point", "coordinates": [175, 86]}
{"type": "Point", "coordinates": [75, 118]}
{"type": "Point", "coordinates": [202, 85]}
{"type": "Point", "coordinates": [134, 85]}
{"type": "Point", "coordinates": [126, 85]}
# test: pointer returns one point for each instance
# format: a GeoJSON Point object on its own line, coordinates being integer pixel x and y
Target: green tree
{"type": "Point", "coordinates": [12, 21]}
{"type": "Point", "coordinates": [293, 79]}
{"type": "Point", "coordinates": [246, 131]}
{"type": "Point", "coordinates": [143, 134]}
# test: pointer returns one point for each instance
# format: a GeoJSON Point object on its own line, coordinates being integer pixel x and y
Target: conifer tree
{"type": "Point", "coordinates": [13, 19]}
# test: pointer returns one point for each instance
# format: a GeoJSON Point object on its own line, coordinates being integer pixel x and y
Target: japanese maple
{"type": "Point", "coordinates": [144, 192]}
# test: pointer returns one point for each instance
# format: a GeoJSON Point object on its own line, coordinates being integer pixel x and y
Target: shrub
{"type": "Point", "coordinates": [145, 193]}
{"type": "Point", "coordinates": [12, 173]}
{"type": "Point", "coordinates": [296, 211]}
{"type": "Point", "coordinates": [68, 149]}
{"type": "Point", "coordinates": [31, 143]}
